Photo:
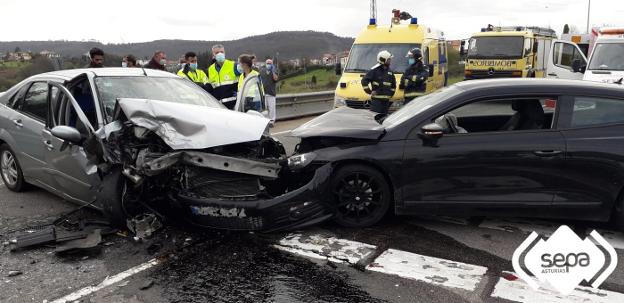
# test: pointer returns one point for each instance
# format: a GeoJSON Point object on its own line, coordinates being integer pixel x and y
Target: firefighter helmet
{"type": "Point", "coordinates": [415, 53]}
{"type": "Point", "coordinates": [383, 56]}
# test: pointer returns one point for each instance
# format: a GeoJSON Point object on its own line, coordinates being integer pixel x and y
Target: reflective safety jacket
{"type": "Point", "coordinates": [380, 81]}
{"type": "Point", "coordinates": [223, 80]}
{"type": "Point", "coordinates": [198, 76]}
{"type": "Point", "coordinates": [414, 80]}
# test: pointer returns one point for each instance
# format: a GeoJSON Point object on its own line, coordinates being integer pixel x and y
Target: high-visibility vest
{"type": "Point", "coordinates": [241, 79]}
{"type": "Point", "coordinates": [197, 76]}
{"type": "Point", "coordinates": [225, 76]}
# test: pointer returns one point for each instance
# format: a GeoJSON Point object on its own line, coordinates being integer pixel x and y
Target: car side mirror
{"type": "Point", "coordinates": [462, 49]}
{"type": "Point", "coordinates": [431, 133]}
{"type": "Point", "coordinates": [338, 69]}
{"type": "Point", "coordinates": [535, 47]}
{"type": "Point", "coordinates": [578, 67]}
{"type": "Point", "coordinates": [67, 133]}
{"type": "Point", "coordinates": [431, 70]}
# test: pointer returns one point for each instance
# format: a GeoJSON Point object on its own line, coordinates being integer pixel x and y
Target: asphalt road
{"type": "Point", "coordinates": [182, 264]}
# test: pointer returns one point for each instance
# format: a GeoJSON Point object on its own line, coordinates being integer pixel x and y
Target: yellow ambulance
{"type": "Point", "coordinates": [397, 38]}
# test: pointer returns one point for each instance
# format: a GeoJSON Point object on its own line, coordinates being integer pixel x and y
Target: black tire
{"type": "Point", "coordinates": [362, 196]}
{"type": "Point", "coordinates": [11, 171]}
{"type": "Point", "coordinates": [110, 197]}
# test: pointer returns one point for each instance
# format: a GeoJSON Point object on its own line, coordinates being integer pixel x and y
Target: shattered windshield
{"type": "Point", "coordinates": [364, 56]}
{"type": "Point", "coordinates": [608, 56]}
{"type": "Point", "coordinates": [155, 88]}
{"type": "Point", "coordinates": [495, 47]}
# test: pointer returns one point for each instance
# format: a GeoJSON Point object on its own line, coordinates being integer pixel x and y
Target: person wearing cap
{"type": "Point", "coordinates": [269, 77]}
{"type": "Point", "coordinates": [380, 83]}
{"type": "Point", "coordinates": [413, 81]}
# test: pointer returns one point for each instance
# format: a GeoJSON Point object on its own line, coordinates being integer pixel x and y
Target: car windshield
{"type": "Point", "coordinates": [419, 105]}
{"type": "Point", "coordinates": [154, 88]}
{"type": "Point", "coordinates": [364, 56]}
{"type": "Point", "coordinates": [608, 56]}
{"type": "Point", "coordinates": [495, 47]}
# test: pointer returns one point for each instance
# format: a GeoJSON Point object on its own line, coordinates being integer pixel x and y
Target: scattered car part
{"type": "Point", "coordinates": [92, 240]}
{"type": "Point", "coordinates": [144, 226]}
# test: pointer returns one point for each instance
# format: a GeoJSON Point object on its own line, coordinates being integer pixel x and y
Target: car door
{"type": "Point", "coordinates": [485, 166]}
{"type": "Point", "coordinates": [71, 170]}
{"type": "Point", "coordinates": [561, 59]}
{"type": "Point", "coordinates": [27, 124]}
{"type": "Point", "coordinates": [251, 96]}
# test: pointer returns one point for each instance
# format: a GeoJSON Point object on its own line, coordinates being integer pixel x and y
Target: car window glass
{"type": "Point", "coordinates": [251, 96]}
{"type": "Point", "coordinates": [35, 102]}
{"type": "Point", "coordinates": [66, 115]}
{"type": "Point", "coordinates": [565, 54]}
{"type": "Point", "coordinates": [55, 96]}
{"type": "Point", "coordinates": [596, 111]}
{"type": "Point", "coordinates": [500, 115]}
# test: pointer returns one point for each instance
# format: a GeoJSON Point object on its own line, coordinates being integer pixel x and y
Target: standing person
{"type": "Point", "coordinates": [270, 77]}
{"type": "Point", "coordinates": [414, 79]}
{"type": "Point", "coordinates": [252, 99]}
{"type": "Point", "coordinates": [159, 60]}
{"type": "Point", "coordinates": [190, 71]}
{"type": "Point", "coordinates": [223, 75]}
{"type": "Point", "coordinates": [380, 83]}
{"type": "Point", "coordinates": [129, 61]}
{"type": "Point", "coordinates": [96, 57]}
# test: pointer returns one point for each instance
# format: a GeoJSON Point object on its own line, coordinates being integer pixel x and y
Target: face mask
{"type": "Point", "coordinates": [220, 57]}
{"type": "Point", "coordinates": [124, 64]}
{"type": "Point", "coordinates": [411, 61]}
{"type": "Point", "coordinates": [163, 61]}
{"type": "Point", "coordinates": [193, 66]}
{"type": "Point", "coordinates": [239, 68]}
{"type": "Point", "coordinates": [269, 66]}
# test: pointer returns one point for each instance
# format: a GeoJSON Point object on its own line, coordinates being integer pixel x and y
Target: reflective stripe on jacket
{"type": "Point", "coordinates": [224, 76]}
{"type": "Point", "coordinates": [197, 76]}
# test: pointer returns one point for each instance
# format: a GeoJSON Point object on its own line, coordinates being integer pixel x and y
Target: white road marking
{"type": "Point", "coordinates": [319, 246]}
{"type": "Point", "coordinates": [428, 269]}
{"type": "Point", "coordinates": [519, 291]}
{"type": "Point", "coordinates": [281, 133]}
{"type": "Point", "coordinates": [615, 238]}
{"type": "Point", "coordinates": [107, 282]}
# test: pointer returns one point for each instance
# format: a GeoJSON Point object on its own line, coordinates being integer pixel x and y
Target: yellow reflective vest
{"type": "Point", "coordinates": [197, 76]}
{"type": "Point", "coordinates": [225, 76]}
{"type": "Point", "coordinates": [241, 79]}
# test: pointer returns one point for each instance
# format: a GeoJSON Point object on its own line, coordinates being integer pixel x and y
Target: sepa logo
{"type": "Point", "coordinates": [565, 260]}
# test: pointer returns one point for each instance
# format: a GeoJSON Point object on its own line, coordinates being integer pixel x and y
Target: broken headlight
{"type": "Point", "coordinates": [301, 161]}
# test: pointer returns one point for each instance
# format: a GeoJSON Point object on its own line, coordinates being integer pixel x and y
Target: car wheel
{"type": "Point", "coordinates": [11, 170]}
{"type": "Point", "coordinates": [362, 196]}
{"type": "Point", "coordinates": [111, 196]}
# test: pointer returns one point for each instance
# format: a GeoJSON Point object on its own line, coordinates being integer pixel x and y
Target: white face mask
{"type": "Point", "coordinates": [163, 61]}
{"type": "Point", "coordinates": [124, 64]}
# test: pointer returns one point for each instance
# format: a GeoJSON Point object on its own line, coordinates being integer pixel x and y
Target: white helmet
{"type": "Point", "coordinates": [383, 56]}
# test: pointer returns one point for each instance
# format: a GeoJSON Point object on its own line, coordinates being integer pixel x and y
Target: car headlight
{"type": "Point", "coordinates": [339, 101]}
{"type": "Point", "coordinates": [301, 161]}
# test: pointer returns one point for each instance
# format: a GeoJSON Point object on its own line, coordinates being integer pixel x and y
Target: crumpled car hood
{"type": "Point", "coordinates": [342, 122]}
{"type": "Point", "coordinates": [187, 126]}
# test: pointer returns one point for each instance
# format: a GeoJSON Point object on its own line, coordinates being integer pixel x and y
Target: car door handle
{"type": "Point", "coordinates": [547, 153]}
{"type": "Point", "coordinates": [18, 122]}
{"type": "Point", "coordinates": [553, 74]}
{"type": "Point", "coordinates": [48, 144]}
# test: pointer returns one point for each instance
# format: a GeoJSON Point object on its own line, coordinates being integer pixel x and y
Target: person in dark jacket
{"type": "Point", "coordinates": [129, 61]}
{"type": "Point", "coordinates": [380, 83]}
{"type": "Point", "coordinates": [158, 61]}
{"type": "Point", "coordinates": [96, 56]}
{"type": "Point", "coordinates": [414, 79]}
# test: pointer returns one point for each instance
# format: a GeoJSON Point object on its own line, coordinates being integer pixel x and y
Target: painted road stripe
{"type": "Point", "coordinates": [107, 282]}
{"type": "Point", "coordinates": [281, 133]}
{"type": "Point", "coordinates": [519, 291]}
{"type": "Point", "coordinates": [428, 269]}
{"type": "Point", "coordinates": [318, 246]}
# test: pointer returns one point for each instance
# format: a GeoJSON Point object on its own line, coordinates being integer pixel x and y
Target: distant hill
{"type": "Point", "coordinates": [290, 45]}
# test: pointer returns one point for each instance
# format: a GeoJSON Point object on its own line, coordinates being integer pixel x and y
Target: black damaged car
{"type": "Point", "coordinates": [526, 148]}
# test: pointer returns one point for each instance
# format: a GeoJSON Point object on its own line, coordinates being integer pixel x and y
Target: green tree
{"type": "Point", "coordinates": [313, 80]}
{"type": "Point", "coordinates": [566, 29]}
{"type": "Point", "coordinates": [17, 50]}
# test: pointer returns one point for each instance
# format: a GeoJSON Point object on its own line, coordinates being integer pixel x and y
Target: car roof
{"type": "Point", "coordinates": [108, 72]}
{"type": "Point", "coordinates": [542, 85]}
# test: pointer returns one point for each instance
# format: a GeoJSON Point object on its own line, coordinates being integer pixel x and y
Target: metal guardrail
{"type": "Point", "coordinates": [298, 105]}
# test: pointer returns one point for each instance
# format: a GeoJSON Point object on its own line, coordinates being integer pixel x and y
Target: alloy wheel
{"type": "Point", "coordinates": [8, 167]}
{"type": "Point", "coordinates": [359, 196]}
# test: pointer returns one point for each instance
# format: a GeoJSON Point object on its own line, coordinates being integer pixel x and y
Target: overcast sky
{"type": "Point", "coordinates": [117, 21]}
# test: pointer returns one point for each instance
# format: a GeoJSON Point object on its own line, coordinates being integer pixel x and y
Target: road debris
{"type": "Point", "coordinates": [143, 226]}
{"type": "Point", "coordinates": [14, 273]}
{"type": "Point", "coordinates": [148, 284]}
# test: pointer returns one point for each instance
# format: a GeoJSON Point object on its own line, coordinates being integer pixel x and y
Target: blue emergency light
{"type": "Point", "coordinates": [414, 21]}
{"type": "Point", "coordinates": [372, 21]}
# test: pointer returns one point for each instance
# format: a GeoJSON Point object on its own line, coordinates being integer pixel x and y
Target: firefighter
{"type": "Point", "coordinates": [380, 83]}
{"type": "Point", "coordinates": [414, 79]}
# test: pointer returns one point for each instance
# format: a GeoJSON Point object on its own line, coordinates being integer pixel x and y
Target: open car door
{"type": "Point", "coordinates": [566, 61]}
{"type": "Point", "coordinates": [251, 97]}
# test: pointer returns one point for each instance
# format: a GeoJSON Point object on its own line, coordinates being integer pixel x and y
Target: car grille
{"type": "Point", "coordinates": [486, 74]}
{"type": "Point", "coordinates": [358, 104]}
{"type": "Point", "coordinates": [249, 223]}
{"type": "Point", "coordinates": [211, 183]}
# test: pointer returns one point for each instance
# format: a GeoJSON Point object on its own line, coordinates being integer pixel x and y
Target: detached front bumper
{"type": "Point", "coordinates": [296, 209]}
